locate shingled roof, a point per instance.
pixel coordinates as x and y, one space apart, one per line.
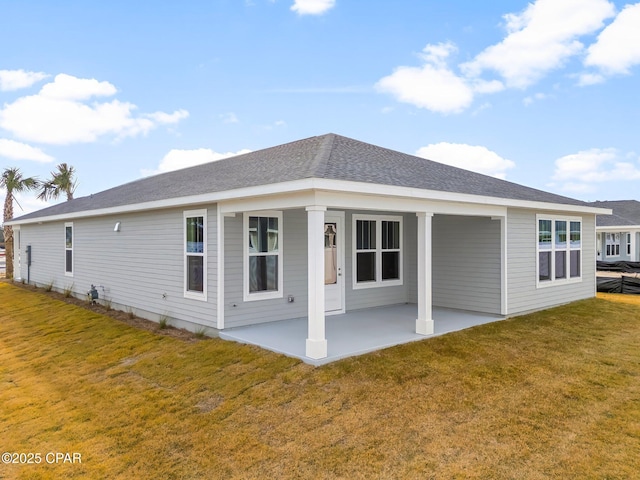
328 156
625 213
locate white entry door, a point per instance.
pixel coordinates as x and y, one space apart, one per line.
334 262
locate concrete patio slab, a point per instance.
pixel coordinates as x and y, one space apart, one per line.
355 332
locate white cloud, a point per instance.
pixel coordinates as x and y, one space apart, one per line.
532 98
618 46
229 117
579 171
590 79
312 7
177 159
67 87
167 118
540 39
483 86
433 86
60 114
22 151
470 157
17 79
274 125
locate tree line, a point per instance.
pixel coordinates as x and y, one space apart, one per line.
62 181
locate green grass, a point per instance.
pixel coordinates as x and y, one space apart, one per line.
68 291
554 394
163 322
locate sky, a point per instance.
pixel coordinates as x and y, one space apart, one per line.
542 93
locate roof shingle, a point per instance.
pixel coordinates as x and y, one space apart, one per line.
625 213
328 156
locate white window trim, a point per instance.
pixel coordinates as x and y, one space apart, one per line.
558 281
190 293
251 297
73 244
378 250
613 244
628 244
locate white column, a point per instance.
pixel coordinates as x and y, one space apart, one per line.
316 342
424 322
504 289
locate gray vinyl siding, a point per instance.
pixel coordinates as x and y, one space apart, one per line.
523 294
378 296
141 267
294 247
466 263
237 312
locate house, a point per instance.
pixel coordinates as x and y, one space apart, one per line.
313 228
618 235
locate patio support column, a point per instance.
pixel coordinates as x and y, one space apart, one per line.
424 322
316 346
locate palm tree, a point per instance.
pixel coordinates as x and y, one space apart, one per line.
13 181
61 181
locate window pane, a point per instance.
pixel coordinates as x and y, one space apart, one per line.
195 270
390 265
545 266
330 254
253 234
69 237
263 273
272 234
561 264
544 234
195 234
366 267
263 234
575 235
365 234
69 261
390 235
561 234
575 263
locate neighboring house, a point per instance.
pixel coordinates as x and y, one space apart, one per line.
618 235
312 228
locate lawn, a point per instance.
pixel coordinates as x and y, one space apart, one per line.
554 394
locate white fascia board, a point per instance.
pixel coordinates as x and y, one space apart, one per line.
357 201
377 189
618 228
318 184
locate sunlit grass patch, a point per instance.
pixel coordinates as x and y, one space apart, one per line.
554 394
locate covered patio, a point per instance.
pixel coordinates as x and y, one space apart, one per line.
355 332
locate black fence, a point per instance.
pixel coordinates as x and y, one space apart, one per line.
619 285
625 267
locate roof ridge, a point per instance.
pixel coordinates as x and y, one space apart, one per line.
318 166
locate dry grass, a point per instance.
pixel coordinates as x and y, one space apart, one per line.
550 395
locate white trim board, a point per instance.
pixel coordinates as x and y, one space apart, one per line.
317 185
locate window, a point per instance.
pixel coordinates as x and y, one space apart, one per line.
68 249
628 244
377 243
559 250
195 254
263 276
612 244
